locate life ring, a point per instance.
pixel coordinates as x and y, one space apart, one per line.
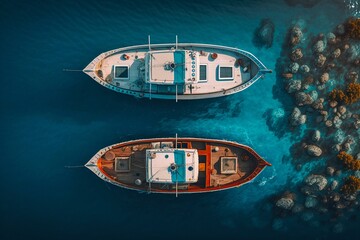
214 55
126 57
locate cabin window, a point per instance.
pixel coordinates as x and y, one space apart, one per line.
203 72
121 72
225 73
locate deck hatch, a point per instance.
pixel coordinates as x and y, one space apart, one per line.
226 73
228 165
122 164
121 72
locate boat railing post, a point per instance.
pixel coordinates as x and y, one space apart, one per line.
149 42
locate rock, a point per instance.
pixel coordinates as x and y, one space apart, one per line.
353 52
285 203
341 110
319 46
340 29
316 136
294 67
333 104
302 99
336 53
328 123
318 182
293 86
337 122
357 173
350 197
319 119
265 33
314 95
304 68
338 173
295 35
297 208
336 148
296 118
287 75
352 77
331 38
320 60
296 54
277 224
334 185
339 136
313 150
324 78
338 228
347 147
318 104
330 171
307 216
310 202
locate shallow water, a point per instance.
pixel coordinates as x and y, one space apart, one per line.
51 118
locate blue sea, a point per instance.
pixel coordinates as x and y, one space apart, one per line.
51 119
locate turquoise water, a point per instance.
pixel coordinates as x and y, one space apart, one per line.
51 119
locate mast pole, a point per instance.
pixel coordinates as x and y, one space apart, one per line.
176 93
176 42
149 42
176 140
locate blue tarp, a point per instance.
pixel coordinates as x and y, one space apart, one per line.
179 156
179 71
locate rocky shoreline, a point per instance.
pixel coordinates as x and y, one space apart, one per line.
320 74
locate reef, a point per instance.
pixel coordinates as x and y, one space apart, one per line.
319 72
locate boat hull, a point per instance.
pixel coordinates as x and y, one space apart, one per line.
100 166
147 92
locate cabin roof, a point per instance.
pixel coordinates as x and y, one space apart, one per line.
167 67
160 162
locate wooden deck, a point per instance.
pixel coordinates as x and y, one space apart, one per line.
249 164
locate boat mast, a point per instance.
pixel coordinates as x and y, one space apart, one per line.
176 42
149 42
176 140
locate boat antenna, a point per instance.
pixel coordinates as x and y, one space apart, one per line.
176 42
149 42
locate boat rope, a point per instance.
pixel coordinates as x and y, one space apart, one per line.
79 166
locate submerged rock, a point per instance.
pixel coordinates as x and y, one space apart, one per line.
331 38
294 67
285 203
287 75
293 86
330 171
303 98
333 104
265 33
338 228
334 185
304 68
352 77
296 118
318 104
316 136
295 35
319 46
320 60
324 78
336 53
296 54
318 182
310 202
297 208
313 150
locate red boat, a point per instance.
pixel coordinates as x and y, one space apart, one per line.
177 165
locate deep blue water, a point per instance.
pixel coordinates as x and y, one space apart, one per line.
51 118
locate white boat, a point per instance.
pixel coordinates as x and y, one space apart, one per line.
180 71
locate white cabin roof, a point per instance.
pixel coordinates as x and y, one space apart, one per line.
160 161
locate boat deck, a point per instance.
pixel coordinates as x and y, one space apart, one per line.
210 155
